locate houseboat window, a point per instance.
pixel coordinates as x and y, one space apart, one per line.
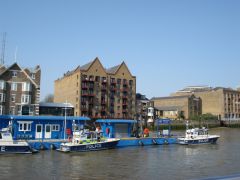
24 126
55 127
48 128
39 128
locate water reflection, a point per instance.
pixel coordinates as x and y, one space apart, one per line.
148 162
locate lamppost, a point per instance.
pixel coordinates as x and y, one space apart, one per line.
238 109
65 120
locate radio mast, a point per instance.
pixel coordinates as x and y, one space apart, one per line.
3 48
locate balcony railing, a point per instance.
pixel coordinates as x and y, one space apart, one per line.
125 89
85 79
103 102
113 89
103 110
91 79
91 87
103 88
84 87
104 81
84 109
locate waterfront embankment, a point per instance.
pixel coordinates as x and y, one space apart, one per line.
181 124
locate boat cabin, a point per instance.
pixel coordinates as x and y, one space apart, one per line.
165 131
41 127
117 128
195 132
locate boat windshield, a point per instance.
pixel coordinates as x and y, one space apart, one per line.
202 132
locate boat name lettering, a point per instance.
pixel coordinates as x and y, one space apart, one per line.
6 134
203 140
2 148
93 146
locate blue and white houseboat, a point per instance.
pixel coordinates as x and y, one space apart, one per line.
42 132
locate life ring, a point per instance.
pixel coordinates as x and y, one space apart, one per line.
42 147
140 143
165 141
52 147
154 141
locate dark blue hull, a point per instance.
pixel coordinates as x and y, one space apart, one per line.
7 149
89 147
199 141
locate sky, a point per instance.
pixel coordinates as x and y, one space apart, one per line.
167 45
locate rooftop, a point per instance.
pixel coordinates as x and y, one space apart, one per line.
60 105
171 97
169 108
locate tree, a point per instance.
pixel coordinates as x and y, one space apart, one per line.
207 116
181 115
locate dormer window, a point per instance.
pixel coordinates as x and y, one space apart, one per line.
14 73
33 76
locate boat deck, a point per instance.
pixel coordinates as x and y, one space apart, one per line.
46 144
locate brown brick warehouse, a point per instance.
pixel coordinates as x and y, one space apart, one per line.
97 92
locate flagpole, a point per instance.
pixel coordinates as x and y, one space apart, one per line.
65 120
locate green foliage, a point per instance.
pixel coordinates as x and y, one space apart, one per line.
207 116
181 115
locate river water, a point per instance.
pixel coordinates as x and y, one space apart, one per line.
148 162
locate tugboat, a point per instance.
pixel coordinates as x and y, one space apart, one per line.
84 140
197 136
9 146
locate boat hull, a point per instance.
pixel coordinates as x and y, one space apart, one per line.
11 149
88 147
189 141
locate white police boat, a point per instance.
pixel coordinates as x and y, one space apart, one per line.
197 136
85 140
10 146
